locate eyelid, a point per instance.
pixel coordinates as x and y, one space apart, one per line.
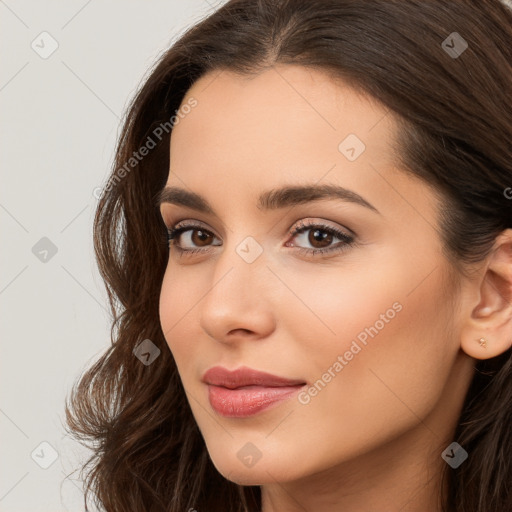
315 221
192 223
311 221
171 218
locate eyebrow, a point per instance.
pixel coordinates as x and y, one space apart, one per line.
268 200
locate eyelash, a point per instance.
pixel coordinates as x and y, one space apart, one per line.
347 240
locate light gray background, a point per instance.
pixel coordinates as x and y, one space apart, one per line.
59 123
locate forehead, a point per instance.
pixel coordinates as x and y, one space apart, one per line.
288 124
282 114
285 104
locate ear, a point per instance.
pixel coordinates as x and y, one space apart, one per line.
491 310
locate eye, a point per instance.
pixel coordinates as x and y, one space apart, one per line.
320 237
195 234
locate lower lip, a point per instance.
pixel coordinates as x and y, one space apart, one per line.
243 402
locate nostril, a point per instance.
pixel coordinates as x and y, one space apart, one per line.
240 331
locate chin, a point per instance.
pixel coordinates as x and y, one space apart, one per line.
261 473
247 478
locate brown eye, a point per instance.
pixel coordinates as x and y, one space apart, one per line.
200 237
191 235
320 237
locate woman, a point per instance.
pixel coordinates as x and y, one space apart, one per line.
307 244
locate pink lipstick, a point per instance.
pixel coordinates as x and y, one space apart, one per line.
244 391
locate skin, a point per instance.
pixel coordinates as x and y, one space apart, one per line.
372 438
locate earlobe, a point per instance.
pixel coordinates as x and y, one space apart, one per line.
484 347
488 329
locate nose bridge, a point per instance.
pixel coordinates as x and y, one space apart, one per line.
238 297
239 268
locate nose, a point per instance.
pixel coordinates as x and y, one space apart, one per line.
239 304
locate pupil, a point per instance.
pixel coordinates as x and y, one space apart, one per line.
203 237
319 237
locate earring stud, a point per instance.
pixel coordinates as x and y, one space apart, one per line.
483 342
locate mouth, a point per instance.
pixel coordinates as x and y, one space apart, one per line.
248 400
245 392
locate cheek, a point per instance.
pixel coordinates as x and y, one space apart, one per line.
341 306
384 351
177 300
377 309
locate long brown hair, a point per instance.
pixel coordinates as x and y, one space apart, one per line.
455 113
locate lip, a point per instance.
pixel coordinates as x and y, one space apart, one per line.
245 391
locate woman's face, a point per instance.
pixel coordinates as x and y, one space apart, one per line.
365 326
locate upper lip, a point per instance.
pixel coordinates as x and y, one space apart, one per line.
244 376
